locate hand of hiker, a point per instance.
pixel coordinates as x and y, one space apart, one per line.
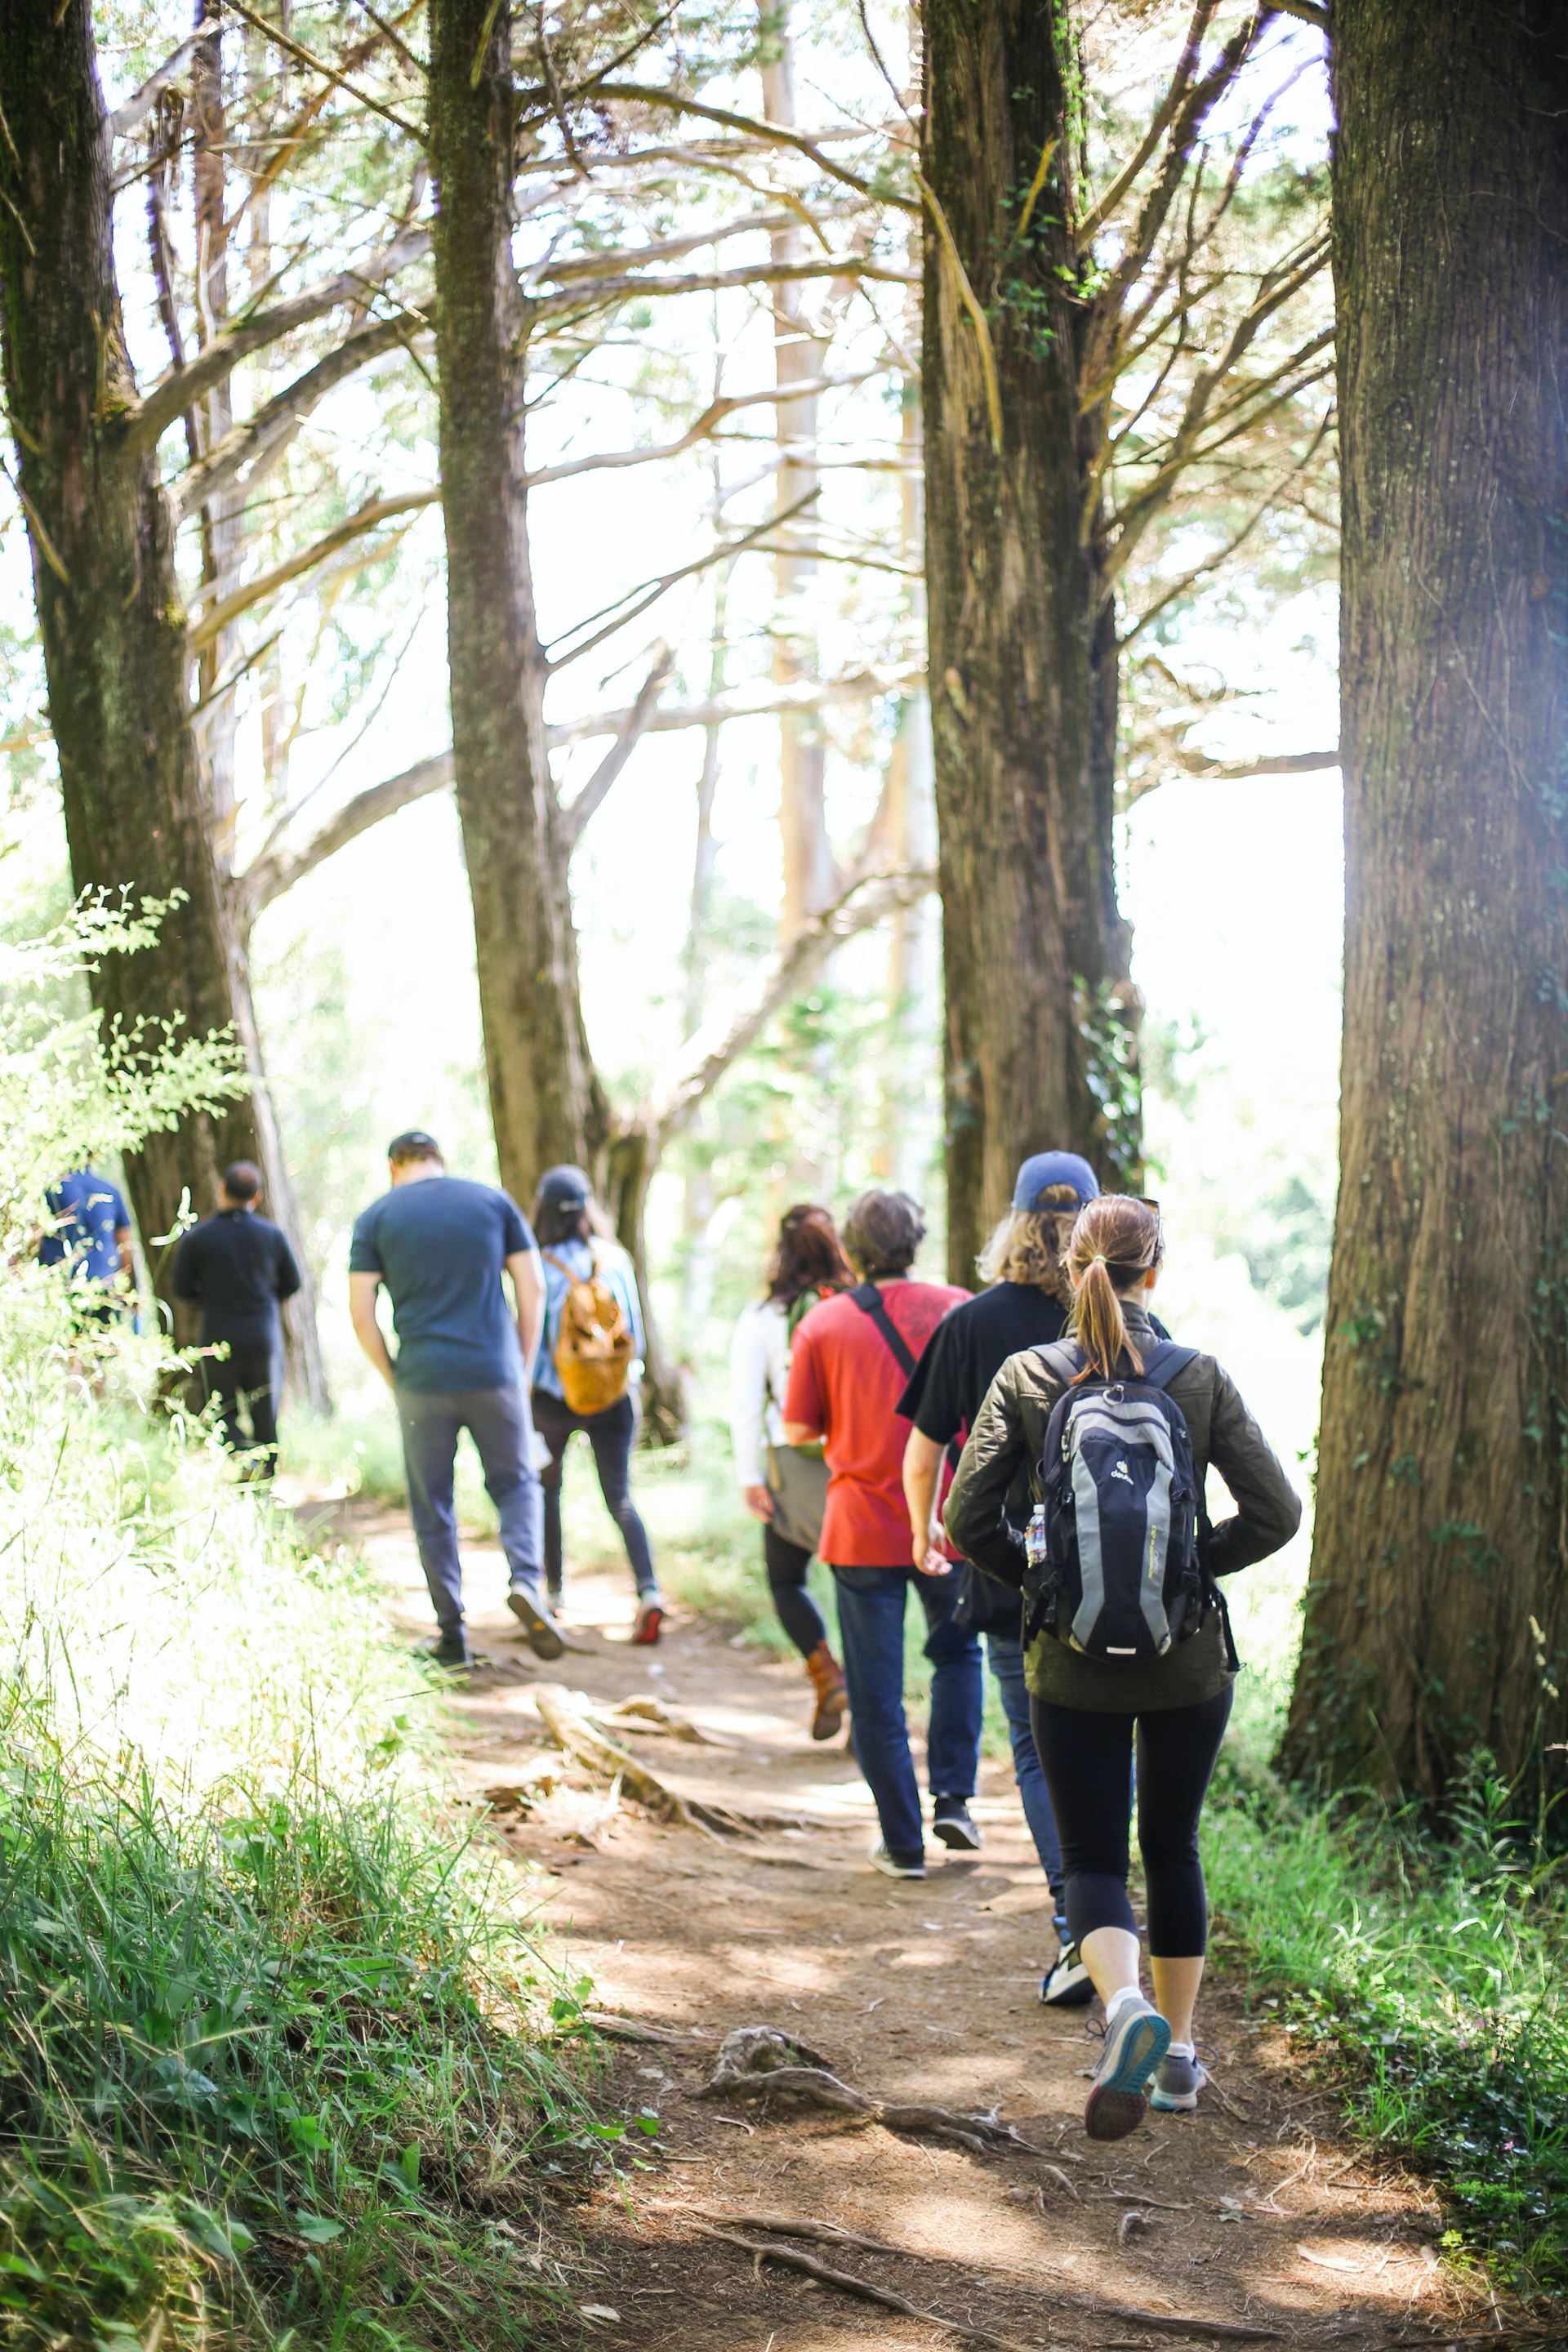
758 1501
930 1561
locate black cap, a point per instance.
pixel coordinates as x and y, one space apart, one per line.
413 1144
564 1188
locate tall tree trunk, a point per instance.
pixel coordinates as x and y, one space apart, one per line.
1039 1043
546 1101
109 605
1438 1608
544 1098
799 358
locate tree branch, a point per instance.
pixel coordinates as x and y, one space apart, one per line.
305 57
668 248
632 727
183 387
277 422
135 109
1094 220
279 870
859 686
637 600
772 134
771 396
228 609
596 295
719 1043
1309 12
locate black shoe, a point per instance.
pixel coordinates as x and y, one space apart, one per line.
543 1634
951 1822
451 1650
1067 1984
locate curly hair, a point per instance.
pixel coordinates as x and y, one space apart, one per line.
807 1256
1031 1245
882 1234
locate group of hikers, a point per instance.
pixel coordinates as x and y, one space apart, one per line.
1031 1459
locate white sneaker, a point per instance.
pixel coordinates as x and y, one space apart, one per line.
1119 2095
891 1867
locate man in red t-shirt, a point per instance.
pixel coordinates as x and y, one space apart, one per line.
851 1359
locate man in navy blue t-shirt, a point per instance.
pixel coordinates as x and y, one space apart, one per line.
89 1234
440 1244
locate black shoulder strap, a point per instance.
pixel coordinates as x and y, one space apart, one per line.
1161 1364
869 1299
1063 1359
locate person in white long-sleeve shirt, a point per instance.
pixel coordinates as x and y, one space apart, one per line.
782 1485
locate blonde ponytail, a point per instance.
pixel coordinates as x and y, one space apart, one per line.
1115 1242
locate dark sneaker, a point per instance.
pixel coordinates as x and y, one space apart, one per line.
1119 2095
951 1823
651 1620
451 1650
1177 2082
892 1866
1066 1983
543 1634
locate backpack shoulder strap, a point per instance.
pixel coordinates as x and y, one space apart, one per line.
1162 1364
870 1300
574 1281
1063 1359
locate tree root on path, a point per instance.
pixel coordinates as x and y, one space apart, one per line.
1228 2331
567 1716
762 2250
786 2225
632 2029
757 2062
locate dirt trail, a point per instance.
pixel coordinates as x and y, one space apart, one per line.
1255 2213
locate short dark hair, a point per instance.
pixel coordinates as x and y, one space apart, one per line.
413 1144
242 1180
882 1232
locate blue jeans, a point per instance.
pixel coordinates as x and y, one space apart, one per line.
871 1626
1007 1657
498 1421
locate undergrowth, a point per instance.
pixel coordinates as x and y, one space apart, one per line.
278 2066
1431 1976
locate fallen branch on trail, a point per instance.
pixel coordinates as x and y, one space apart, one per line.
1229 2331
567 1716
632 2029
758 2063
652 1718
786 2225
762 2250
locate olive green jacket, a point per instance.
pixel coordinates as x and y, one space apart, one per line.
1010 1433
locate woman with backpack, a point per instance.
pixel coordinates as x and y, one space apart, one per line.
786 1487
587 1370
1126 1630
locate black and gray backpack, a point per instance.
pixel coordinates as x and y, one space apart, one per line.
1114 1569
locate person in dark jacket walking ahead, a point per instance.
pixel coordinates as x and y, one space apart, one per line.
1087 1709
1027 1305
238 1268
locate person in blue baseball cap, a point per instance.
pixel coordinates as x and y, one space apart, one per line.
1025 1305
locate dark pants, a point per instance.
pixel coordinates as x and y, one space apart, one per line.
1087 1756
249 1377
1007 1657
612 1435
787 1565
497 1420
871 1627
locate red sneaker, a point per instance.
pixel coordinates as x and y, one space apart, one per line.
649 1624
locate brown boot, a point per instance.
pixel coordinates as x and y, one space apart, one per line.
832 1699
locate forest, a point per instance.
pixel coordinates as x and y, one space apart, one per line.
840 727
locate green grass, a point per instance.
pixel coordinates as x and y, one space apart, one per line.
1430 1979
278 2067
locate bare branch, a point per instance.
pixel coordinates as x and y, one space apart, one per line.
183 387
1277 763
703 1062
305 57
279 870
1094 220
632 727
579 300
808 694
228 609
1238 538
771 396
135 109
637 600
262 436
668 248
772 134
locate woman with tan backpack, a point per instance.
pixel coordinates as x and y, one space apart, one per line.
587 1373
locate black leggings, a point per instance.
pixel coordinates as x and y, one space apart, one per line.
612 1435
1085 1757
799 1615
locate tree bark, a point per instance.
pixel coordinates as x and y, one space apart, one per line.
109 608
1040 1039
545 1101
1436 1616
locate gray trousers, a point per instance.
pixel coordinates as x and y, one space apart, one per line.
498 1421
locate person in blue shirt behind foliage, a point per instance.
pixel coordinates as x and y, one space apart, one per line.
440 1245
576 1245
90 1235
